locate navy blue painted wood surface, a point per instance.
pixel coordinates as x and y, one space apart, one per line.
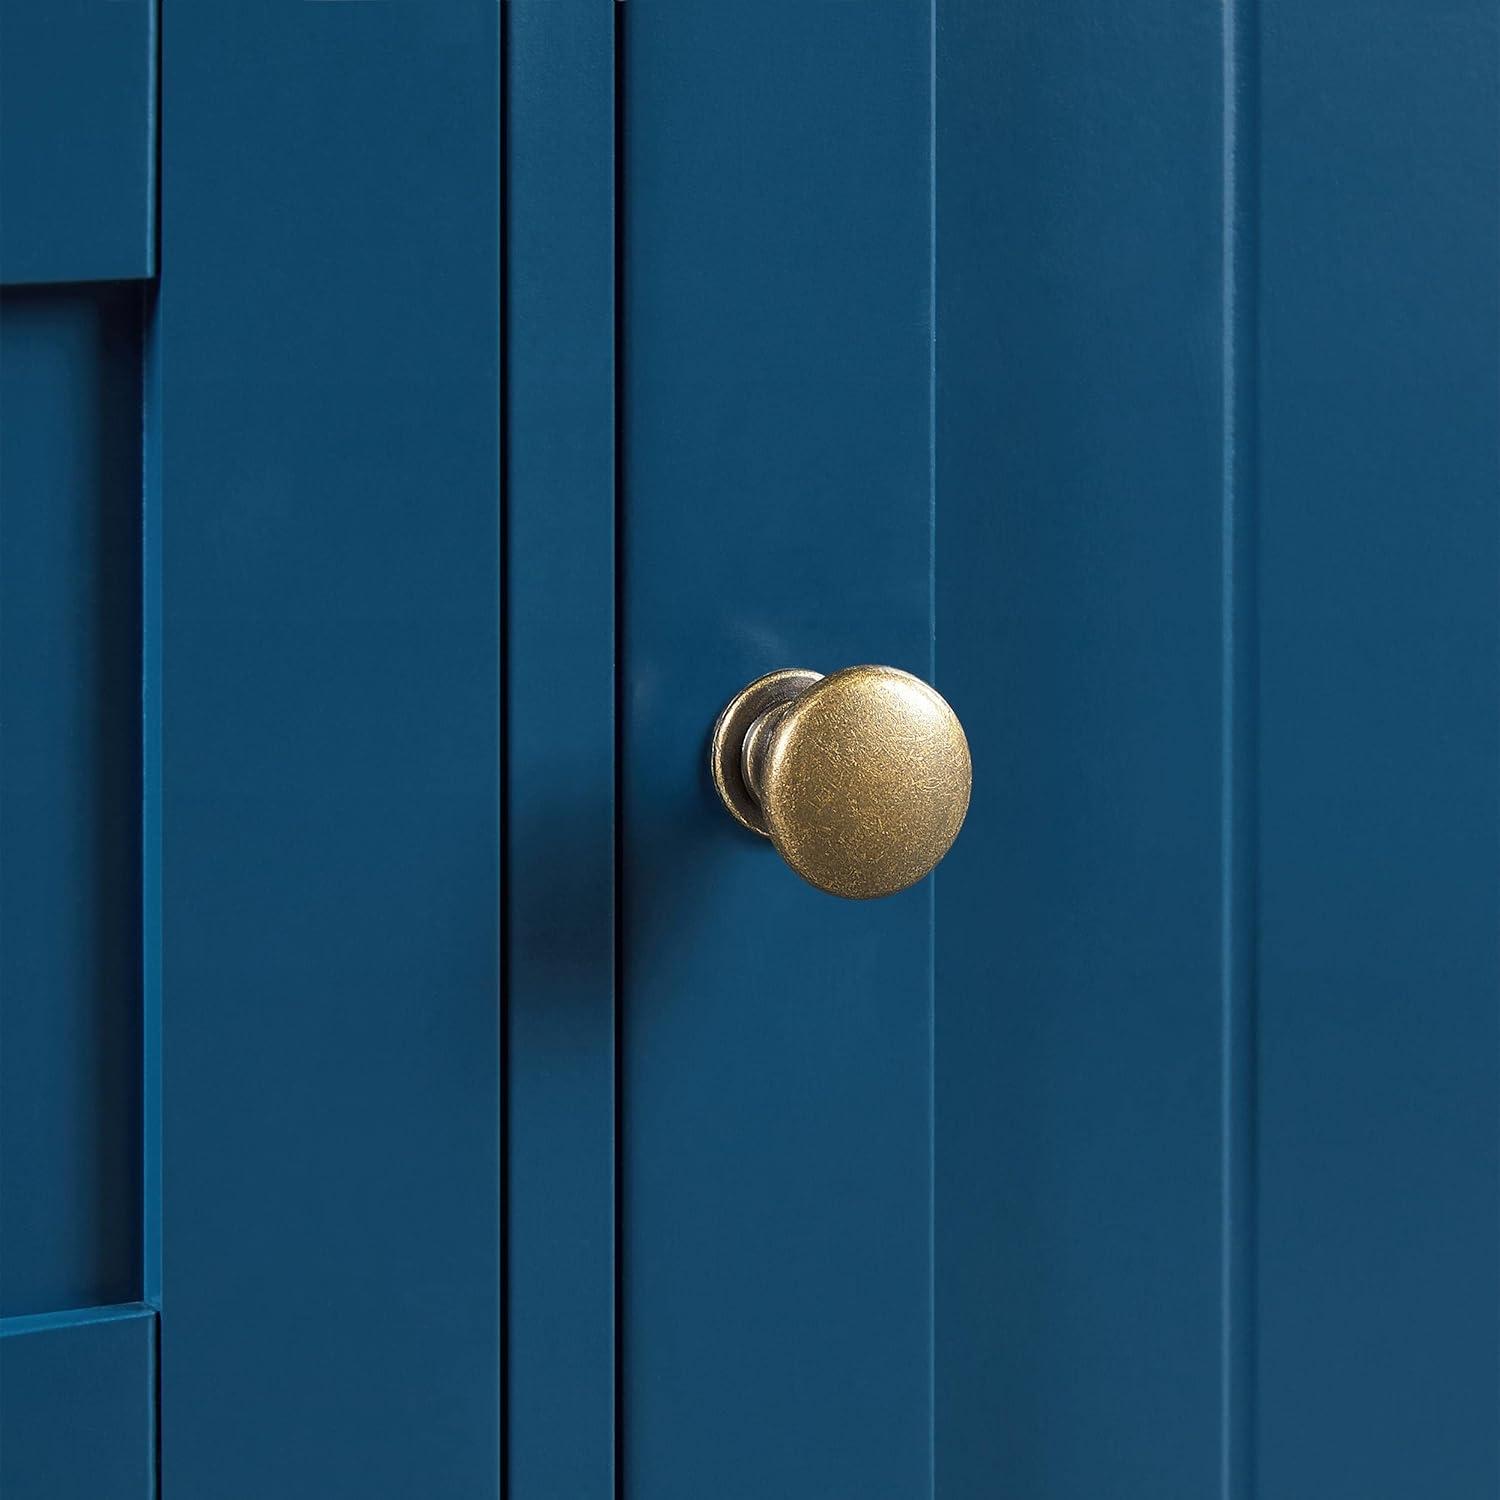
1217 536
1377 303
78 1405
560 750
78 123
70 993
1080 608
1214 1084
323 670
1133 374
776 368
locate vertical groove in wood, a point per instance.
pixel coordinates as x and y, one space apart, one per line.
932 884
502 1039
1239 790
617 935
150 853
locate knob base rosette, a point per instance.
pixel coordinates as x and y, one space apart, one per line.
726 755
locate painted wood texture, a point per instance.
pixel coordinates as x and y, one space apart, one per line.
775 1070
1208 1111
1079 584
560 747
1133 374
323 780
70 768
1377 379
1216 578
78 1405
78 119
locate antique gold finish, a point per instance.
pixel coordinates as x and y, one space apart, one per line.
860 779
732 729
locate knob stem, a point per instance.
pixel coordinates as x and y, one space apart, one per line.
728 760
758 741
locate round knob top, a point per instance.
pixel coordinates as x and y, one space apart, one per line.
861 778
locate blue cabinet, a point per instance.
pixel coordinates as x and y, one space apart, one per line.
415 1084
251 569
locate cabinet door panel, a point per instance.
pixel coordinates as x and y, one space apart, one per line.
77 1348
1135 378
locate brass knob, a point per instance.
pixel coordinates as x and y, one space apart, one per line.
860 779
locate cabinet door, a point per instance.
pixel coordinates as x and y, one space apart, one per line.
250 685
1132 376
